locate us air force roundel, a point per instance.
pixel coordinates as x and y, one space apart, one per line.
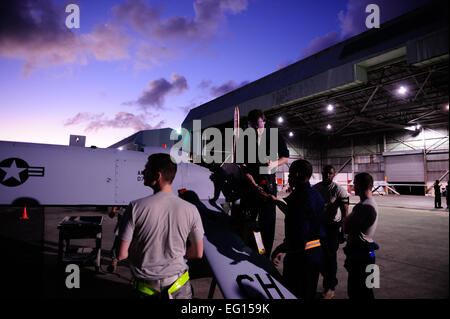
15 171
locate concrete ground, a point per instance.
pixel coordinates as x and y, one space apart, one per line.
413 258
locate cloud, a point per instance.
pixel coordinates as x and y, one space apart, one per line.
353 21
29 30
35 31
154 54
226 87
187 108
160 38
136 12
321 43
158 89
218 90
95 122
209 14
204 84
107 42
82 117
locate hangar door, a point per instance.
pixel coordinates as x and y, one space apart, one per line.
404 168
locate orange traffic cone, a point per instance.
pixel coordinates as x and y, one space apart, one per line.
24 214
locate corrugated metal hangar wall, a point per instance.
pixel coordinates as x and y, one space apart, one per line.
397 157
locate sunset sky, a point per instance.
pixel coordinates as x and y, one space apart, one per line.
135 65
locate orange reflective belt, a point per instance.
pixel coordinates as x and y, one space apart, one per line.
312 244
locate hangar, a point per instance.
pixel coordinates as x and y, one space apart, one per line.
377 102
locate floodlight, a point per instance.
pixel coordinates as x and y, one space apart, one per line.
402 90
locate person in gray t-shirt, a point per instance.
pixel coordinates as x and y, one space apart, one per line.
360 225
154 231
336 209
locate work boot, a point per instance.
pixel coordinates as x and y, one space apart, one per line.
329 294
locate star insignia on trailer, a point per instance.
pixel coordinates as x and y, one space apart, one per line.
15 171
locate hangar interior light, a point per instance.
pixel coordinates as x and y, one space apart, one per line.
413 128
280 120
402 90
330 107
291 134
329 127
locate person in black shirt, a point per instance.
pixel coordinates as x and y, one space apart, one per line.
303 210
262 175
437 195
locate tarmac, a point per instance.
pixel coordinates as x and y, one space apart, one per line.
413 258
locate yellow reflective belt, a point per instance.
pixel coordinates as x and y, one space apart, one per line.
149 290
312 244
143 287
179 283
